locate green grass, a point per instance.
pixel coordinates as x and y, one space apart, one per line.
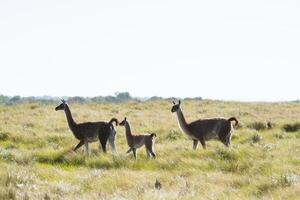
36 161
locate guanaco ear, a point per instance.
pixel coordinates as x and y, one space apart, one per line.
179 102
174 102
125 119
63 101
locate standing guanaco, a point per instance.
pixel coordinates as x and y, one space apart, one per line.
90 131
136 141
205 129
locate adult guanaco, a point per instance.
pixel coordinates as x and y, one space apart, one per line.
89 131
136 141
205 129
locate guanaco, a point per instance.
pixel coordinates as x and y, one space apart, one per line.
136 141
90 131
205 129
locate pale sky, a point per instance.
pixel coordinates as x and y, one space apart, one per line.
228 50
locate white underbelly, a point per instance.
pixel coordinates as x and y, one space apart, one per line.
92 139
211 135
138 145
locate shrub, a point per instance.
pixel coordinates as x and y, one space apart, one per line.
278 135
286 180
3 136
6 155
256 138
11 194
291 127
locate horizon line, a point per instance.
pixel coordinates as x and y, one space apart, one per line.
145 98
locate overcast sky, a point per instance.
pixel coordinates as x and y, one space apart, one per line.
230 50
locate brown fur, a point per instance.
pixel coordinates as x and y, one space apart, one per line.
90 131
136 141
205 129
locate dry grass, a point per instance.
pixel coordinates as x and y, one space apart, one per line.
36 161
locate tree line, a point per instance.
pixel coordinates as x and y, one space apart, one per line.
119 97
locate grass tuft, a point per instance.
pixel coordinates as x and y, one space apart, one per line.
286 180
258 126
282 181
256 138
51 157
3 136
6 155
173 135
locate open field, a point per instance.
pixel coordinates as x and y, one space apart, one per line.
36 161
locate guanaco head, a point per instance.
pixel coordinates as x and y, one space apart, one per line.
176 107
123 122
61 106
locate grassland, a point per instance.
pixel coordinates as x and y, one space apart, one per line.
36 161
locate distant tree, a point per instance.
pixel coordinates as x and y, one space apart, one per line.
155 98
14 100
172 99
110 99
3 99
195 98
77 99
98 99
119 97
28 99
123 96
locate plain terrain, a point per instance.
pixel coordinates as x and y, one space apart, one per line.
36 161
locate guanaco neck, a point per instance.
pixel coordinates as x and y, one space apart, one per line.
128 131
70 119
182 122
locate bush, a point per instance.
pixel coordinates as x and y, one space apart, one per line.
287 180
3 136
6 155
291 127
256 138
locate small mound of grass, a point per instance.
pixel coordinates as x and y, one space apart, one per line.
227 155
99 162
64 158
56 157
235 167
3 136
278 135
284 180
6 155
256 138
231 160
173 135
34 106
291 127
259 126
75 159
